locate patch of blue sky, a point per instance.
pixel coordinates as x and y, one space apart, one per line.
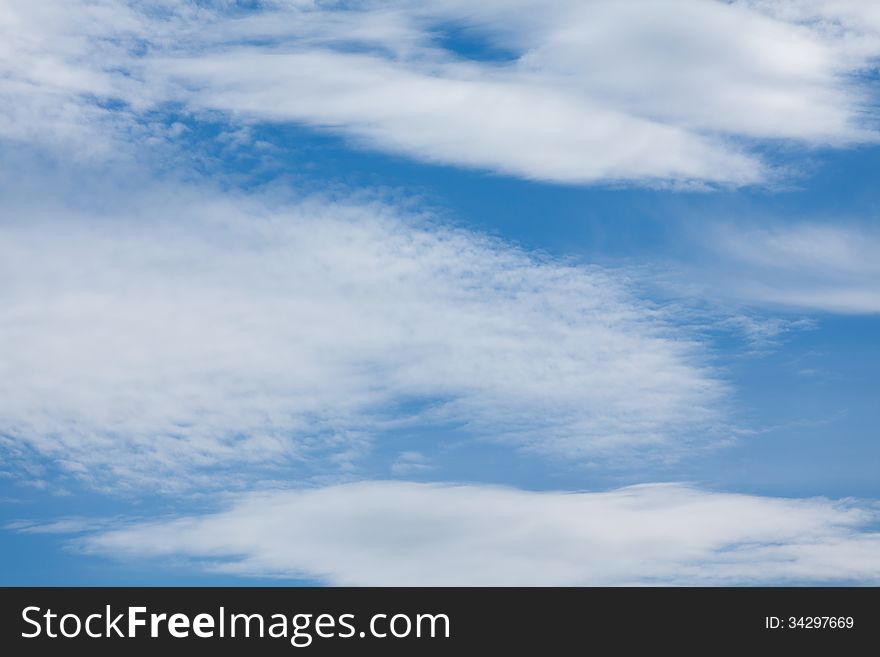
470 42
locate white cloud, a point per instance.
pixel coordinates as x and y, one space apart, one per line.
594 90
398 533
460 115
675 91
57 61
855 23
179 336
701 64
409 463
812 266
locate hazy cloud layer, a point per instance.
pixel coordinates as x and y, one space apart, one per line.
384 533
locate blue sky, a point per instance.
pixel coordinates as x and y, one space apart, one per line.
407 293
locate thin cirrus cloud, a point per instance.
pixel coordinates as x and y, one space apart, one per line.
386 533
805 266
182 338
675 92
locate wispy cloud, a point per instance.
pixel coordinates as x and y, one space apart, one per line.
808 266
386 533
675 92
74 525
175 332
409 463
457 114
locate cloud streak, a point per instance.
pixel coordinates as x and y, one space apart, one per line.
398 533
812 266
